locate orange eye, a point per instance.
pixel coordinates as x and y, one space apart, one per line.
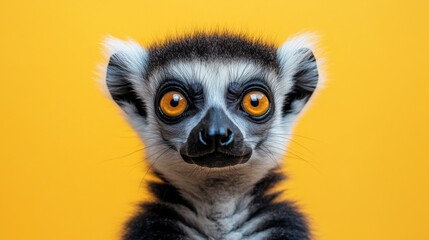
173 104
255 103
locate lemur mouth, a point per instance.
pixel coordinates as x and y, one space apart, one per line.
217 159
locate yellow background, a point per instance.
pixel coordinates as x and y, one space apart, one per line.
362 170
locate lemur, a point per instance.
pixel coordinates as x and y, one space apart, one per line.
215 113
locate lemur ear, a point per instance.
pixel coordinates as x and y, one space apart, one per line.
125 71
298 68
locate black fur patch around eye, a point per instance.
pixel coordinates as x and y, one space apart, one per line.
120 87
193 93
234 92
208 46
196 91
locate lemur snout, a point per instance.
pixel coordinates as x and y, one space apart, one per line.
216 142
215 130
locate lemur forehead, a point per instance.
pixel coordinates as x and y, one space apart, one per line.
214 46
214 73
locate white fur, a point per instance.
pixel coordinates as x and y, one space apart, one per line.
131 55
134 54
289 56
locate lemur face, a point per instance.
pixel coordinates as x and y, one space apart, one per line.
214 113
212 101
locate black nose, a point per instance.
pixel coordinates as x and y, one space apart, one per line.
215 133
218 136
215 142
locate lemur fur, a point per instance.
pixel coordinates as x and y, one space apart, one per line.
216 160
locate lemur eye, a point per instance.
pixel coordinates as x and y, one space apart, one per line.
173 104
255 103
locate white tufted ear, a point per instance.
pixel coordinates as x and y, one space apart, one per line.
298 68
125 71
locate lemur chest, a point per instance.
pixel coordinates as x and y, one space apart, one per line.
230 220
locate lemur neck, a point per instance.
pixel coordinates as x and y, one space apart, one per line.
216 194
217 206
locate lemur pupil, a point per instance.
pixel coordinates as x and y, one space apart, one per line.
254 101
174 101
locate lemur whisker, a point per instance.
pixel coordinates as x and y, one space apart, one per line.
281 147
146 147
296 135
152 162
288 153
270 156
123 156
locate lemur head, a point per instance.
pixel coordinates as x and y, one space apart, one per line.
212 101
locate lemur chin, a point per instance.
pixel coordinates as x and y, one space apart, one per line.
214 111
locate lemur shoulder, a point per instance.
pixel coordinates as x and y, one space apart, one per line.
214 111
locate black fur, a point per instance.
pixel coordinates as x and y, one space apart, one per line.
208 46
158 221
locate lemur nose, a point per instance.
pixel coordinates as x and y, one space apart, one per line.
216 136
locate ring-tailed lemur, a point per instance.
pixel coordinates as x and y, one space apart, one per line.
214 111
